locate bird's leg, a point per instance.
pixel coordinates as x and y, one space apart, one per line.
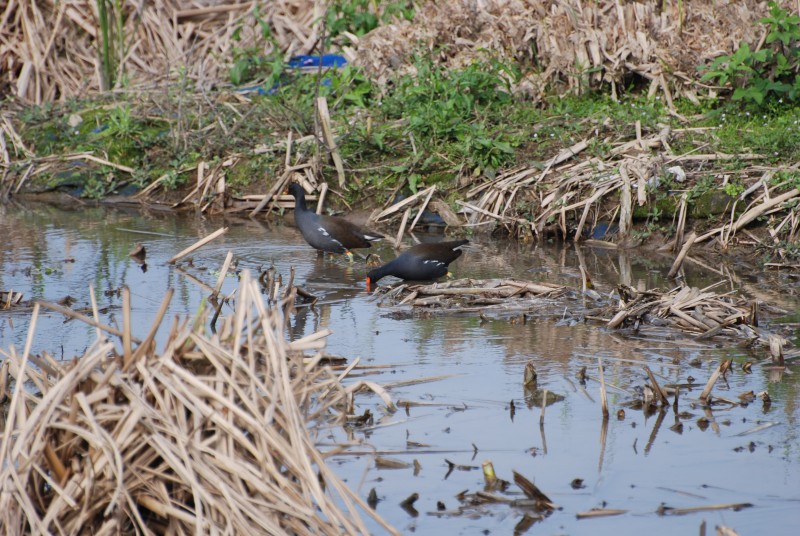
349 255
449 275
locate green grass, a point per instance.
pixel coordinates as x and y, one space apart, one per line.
429 129
773 131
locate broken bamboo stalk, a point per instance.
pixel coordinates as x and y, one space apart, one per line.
330 141
405 202
422 207
197 245
710 384
690 240
222 274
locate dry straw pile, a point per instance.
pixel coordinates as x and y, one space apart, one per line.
208 437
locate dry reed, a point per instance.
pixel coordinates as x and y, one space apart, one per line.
51 49
577 45
211 435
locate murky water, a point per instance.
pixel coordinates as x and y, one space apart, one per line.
638 463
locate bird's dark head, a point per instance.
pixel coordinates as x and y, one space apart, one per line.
373 276
296 190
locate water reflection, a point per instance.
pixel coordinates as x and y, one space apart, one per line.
52 253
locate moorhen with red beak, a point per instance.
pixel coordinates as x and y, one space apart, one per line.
328 233
422 262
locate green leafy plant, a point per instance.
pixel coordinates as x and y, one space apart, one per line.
786 180
122 124
783 26
756 75
94 188
733 189
360 17
250 62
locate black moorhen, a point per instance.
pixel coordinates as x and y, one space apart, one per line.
421 262
328 233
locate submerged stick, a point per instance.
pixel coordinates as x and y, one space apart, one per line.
603 397
197 245
690 240
544 405
710 385
222 274
662 395
83 318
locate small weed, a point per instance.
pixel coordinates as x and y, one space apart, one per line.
121 124
173 179
703 185
733 189
786 179
94 188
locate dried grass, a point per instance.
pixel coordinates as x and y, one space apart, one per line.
48 49
576 44
209 436
570 196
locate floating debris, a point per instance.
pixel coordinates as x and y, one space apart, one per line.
382 462
530 374
9 299
664 509
600 512
470 295
408 504
691 310
139 252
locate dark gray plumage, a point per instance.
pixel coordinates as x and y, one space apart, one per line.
328 233
422 262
